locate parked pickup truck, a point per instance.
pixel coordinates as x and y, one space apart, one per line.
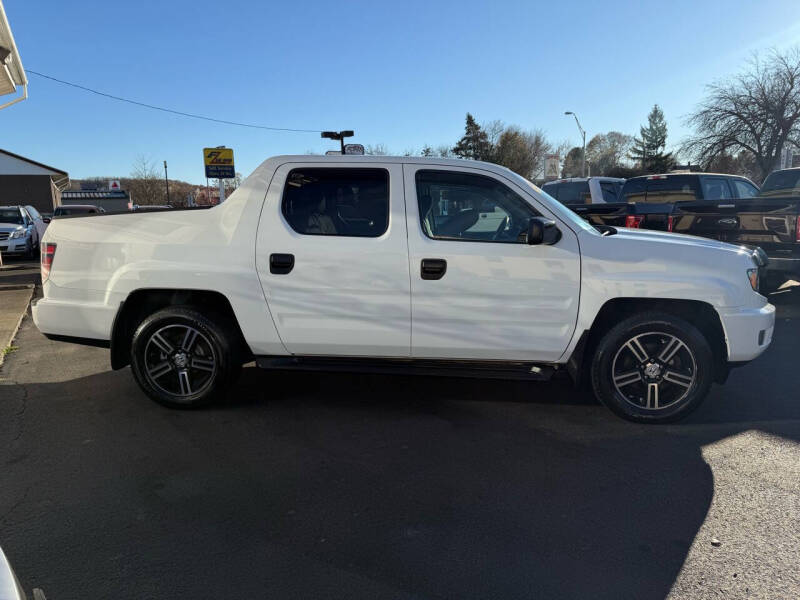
419 265
768 220
728 208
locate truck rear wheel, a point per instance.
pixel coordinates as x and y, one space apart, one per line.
183 358
652 368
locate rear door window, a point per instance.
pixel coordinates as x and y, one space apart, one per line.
338 202
716 188
744 189
672 188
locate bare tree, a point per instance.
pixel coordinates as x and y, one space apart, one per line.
494 129
757 111
146 185
522 151
444 151
607 151
376 150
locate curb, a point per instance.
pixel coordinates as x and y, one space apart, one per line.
21 317
16 286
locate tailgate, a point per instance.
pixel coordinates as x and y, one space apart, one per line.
767 222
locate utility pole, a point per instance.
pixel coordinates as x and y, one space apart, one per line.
583 134
166 180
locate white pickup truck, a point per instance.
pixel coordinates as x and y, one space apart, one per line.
420 265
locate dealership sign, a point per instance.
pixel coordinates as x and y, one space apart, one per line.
219 163
551 162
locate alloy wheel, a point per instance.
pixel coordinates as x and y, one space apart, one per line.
654 370
180 360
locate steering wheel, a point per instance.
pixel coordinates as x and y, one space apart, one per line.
500 229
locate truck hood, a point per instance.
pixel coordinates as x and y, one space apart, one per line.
664 237
10 227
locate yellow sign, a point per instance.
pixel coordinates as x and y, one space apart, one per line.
219 163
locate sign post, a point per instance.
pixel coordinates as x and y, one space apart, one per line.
219 165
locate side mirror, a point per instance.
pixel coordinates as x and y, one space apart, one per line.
46 219
542 231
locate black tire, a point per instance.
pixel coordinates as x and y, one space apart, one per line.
666 390
29 249
191 376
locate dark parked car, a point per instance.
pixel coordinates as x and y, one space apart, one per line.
71 210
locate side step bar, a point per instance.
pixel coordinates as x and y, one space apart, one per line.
410 366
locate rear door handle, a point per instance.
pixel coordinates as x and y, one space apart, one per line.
433 268
281 264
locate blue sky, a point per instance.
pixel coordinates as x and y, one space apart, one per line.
399 73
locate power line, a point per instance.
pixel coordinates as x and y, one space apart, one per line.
169 110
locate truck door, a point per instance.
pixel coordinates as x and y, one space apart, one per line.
332 256
478 290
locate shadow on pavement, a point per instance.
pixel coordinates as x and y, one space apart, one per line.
339 486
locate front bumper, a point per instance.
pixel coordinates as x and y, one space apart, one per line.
14 246
748 331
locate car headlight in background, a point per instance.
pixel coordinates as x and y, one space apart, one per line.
18 234
752 275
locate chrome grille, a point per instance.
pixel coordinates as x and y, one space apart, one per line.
4 235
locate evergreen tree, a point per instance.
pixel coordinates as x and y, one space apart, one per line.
648 148
474 143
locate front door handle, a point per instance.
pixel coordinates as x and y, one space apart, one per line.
433 268
281 264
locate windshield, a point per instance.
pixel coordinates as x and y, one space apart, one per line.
10 215
782 183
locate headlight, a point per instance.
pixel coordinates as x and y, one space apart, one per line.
18 234
752 275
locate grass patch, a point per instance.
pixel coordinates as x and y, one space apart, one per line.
9 349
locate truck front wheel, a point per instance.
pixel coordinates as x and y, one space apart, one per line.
183 358
652 368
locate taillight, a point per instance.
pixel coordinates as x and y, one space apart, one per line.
48 254
634 221
670 223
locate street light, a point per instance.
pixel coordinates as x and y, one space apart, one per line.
338 135
583 134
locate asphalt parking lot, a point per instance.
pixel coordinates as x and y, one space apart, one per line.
347 486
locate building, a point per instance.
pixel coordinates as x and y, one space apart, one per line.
12 73
28 182
108 200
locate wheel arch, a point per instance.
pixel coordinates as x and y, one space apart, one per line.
700 314
143 302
